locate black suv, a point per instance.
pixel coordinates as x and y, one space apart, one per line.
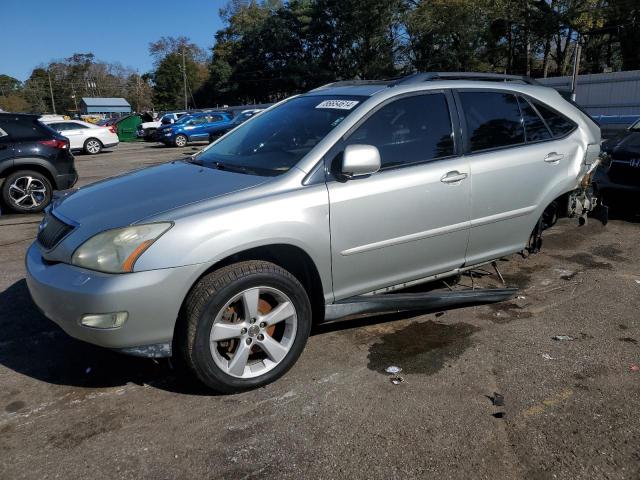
34 161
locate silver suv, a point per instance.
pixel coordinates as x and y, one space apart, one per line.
354 188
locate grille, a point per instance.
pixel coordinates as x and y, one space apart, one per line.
54 230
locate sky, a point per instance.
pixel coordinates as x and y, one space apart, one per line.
38 31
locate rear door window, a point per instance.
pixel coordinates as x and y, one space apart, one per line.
409 130
493 119
558 124
534 126
24 130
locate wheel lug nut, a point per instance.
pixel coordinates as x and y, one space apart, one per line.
261 337
249 341
243 331
253 320
263 324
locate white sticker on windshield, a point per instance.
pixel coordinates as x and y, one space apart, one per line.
338 104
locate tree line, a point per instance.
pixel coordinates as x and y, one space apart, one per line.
270 49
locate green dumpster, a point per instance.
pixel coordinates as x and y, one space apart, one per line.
127 126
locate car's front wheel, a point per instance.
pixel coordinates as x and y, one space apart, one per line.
26 191
180 140
246 325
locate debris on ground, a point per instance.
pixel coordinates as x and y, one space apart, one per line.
634 368
393 370
521 297
546 356
498 399
563 338
397 380
499 414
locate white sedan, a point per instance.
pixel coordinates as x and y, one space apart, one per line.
85 136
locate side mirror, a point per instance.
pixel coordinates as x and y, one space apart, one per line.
360 160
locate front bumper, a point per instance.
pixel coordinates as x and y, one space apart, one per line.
64 293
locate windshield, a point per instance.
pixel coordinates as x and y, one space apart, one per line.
277 139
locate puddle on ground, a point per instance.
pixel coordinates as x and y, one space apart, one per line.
422 347
523 276
610 252
586 260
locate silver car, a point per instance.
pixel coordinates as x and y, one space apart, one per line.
228 258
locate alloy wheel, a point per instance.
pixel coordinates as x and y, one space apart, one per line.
93 146
253 332
27 192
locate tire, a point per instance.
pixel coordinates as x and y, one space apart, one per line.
92 146
264 351
180 141
26 191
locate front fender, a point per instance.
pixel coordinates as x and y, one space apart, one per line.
299 218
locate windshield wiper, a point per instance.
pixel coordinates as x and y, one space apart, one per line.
234 168
194 160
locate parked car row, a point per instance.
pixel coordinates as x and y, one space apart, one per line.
177 129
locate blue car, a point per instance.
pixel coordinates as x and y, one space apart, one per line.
193 128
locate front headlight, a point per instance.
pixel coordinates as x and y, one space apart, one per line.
116 251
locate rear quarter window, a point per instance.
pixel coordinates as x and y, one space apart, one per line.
25 130
558 123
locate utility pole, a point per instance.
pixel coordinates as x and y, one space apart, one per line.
53 102
576 66
184 77
73 95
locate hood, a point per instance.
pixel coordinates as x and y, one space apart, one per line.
130 198
628 147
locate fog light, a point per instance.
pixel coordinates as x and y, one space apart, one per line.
105 320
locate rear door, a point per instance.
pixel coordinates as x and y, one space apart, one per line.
410 219
71 130
517 167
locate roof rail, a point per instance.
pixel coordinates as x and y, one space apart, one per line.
490 77
352 83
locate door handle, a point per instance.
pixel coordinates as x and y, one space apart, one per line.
553 157
453 177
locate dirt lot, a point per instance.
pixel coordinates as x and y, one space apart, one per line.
70 410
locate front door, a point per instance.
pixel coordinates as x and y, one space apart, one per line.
410 219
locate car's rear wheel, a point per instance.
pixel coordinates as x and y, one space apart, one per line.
92 146
26 191
180 140
246 325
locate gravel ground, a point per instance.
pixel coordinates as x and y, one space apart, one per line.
71 410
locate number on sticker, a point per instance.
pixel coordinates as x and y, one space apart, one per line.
338 104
